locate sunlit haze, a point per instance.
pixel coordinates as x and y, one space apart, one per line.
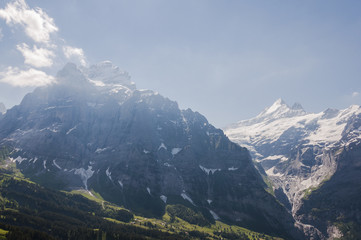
225 59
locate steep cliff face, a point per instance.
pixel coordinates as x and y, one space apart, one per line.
302 153
94 130
337 200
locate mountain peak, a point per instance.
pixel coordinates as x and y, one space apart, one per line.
279 103
103 77
69 69
107 73
71 75
280 109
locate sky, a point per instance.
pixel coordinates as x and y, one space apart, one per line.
227 59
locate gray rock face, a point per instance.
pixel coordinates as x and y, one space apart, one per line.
94 130
299 153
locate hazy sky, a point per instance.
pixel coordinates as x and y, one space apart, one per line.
227 59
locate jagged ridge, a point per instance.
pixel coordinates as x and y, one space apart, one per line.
137 149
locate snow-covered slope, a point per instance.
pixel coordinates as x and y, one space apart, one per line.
286 126
298 150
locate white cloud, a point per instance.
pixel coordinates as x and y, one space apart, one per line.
37 24
28 78
355 94
37 57
77 53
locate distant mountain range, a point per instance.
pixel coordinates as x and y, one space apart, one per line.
94 131
313 162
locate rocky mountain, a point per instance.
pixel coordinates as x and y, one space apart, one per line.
313 161
94 130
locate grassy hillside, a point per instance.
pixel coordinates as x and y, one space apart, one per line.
30 211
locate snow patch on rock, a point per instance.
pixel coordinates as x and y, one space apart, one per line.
120 183
109 174
163 198
100 150
232 169
186 197
70 130
84 174
162 146
19 159
270 172
209 170
214 215
55 164
175 151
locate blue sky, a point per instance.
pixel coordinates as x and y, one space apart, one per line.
227 59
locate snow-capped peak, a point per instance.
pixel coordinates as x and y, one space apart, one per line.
109 78
104 76
277 105
321 129
108 74
279 109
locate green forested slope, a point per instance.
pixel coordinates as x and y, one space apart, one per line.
29 211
